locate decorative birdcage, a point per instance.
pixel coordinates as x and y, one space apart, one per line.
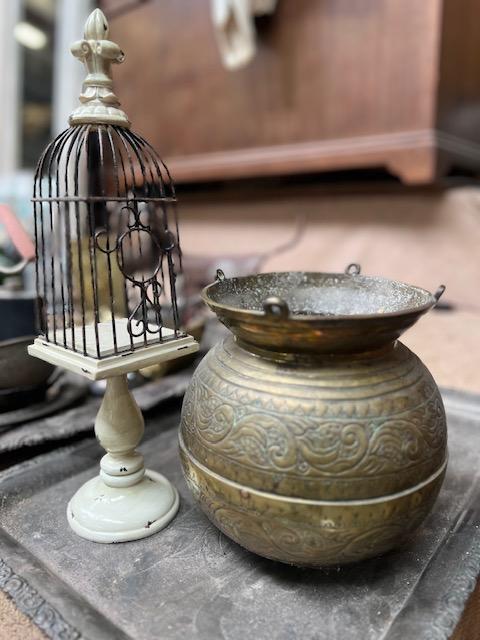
107 258
106 229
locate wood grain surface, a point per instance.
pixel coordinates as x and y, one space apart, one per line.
335 84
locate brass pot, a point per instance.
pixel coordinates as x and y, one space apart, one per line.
313 437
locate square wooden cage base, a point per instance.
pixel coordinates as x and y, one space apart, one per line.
111 364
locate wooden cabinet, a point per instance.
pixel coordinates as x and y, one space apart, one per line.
335 84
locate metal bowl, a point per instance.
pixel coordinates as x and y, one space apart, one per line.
18 369
305 312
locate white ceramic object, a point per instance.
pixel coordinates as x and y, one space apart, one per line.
233 22
125 502
99 104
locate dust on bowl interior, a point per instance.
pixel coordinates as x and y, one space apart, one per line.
322 294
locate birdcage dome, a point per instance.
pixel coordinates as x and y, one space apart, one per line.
103 161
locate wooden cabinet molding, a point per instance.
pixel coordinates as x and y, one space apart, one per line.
335 84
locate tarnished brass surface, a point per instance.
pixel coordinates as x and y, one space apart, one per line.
314 438
303 532
347 428
324 312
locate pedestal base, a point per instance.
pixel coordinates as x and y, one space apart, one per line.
107 514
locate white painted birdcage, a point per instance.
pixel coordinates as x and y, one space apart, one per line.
107 258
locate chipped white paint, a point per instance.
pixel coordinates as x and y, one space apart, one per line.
125 502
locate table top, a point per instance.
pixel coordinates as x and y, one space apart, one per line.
190 581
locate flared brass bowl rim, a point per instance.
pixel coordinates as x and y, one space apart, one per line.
428 299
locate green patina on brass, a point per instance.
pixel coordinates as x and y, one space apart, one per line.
312 436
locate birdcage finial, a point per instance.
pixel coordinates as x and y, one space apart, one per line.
99 104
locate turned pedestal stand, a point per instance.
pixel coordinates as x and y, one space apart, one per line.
125 501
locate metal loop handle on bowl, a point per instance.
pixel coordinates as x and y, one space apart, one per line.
439 292
276 307
220 276
353 269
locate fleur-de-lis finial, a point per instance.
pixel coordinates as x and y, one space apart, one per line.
99 104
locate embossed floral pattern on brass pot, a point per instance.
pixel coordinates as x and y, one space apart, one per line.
322 455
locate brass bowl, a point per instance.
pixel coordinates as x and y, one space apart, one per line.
302 312
320 455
